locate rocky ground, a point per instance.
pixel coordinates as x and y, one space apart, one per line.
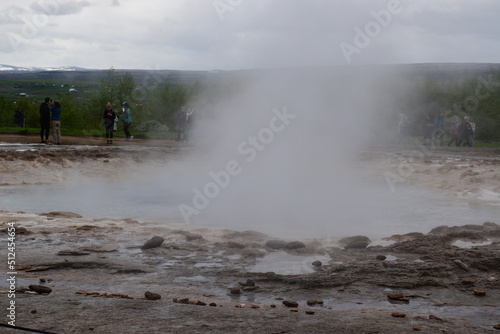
74 274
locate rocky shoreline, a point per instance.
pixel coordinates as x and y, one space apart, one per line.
78 275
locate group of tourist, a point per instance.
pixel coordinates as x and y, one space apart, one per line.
50 117
50 112
460 132
111 120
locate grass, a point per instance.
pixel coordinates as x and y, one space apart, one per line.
92 133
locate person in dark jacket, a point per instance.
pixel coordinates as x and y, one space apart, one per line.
56 110
45 120
19 117
182 118
109 122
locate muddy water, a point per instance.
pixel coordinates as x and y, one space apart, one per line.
378 212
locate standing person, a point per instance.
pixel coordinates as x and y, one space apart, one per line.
56 122
466 133
455 131
473 132
428 127
190 118
109 122
403 128
182 124
45 120
439 128
19 117
126 116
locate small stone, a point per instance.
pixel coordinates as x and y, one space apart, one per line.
310 312
250 288
154 242
381 257
40 289
294 310
497 326
398 315
200 303
295 245
395 296
212 304
254 306
249 282
433 317
417 328
151 295
479 292
317 263
290 303
43 280
235 291
33 311
272 306
468 281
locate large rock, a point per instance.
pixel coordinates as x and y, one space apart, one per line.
276 244
40 289
154 242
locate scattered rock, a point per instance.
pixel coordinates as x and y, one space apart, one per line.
468 281
317 263
249 282
105 248
417 328
479 292
33 311
72 253
276 244
254 306
290 303
200 303
237 245
212 304
497 326
398 315
154 242
61 214
312 302
250 288
381 257
294 310
395 296
462 265
40 289
354 239
433 317
235 291
310 312
295 245
189 236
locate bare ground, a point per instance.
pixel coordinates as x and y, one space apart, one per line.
444 281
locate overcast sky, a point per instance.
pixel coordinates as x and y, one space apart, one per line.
237 34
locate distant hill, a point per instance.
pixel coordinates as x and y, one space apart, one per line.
431 71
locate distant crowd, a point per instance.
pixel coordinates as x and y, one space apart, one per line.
459 132
50 119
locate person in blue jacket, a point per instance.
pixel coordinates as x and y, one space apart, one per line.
56 122
126 116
